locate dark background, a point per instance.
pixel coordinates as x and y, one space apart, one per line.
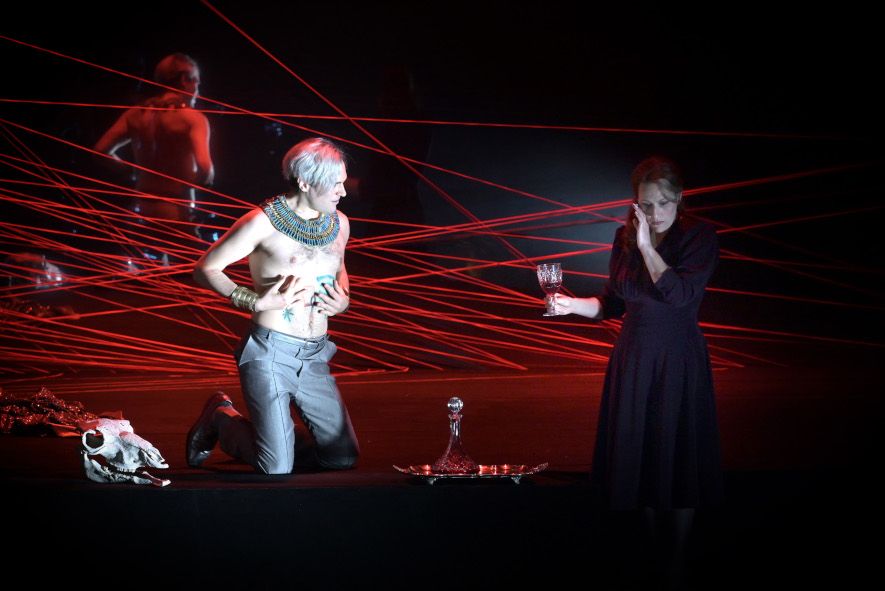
783 90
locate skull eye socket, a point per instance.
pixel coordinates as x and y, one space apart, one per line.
93 440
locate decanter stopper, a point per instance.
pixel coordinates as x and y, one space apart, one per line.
455 460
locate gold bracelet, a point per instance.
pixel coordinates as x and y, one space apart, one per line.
243 298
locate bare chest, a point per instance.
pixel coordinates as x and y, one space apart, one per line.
280 254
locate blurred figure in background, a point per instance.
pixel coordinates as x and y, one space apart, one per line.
169 137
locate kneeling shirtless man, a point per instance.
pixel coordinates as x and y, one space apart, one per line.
295 244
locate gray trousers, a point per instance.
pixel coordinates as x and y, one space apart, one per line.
275 370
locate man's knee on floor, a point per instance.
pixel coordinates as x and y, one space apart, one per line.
269 464
340 461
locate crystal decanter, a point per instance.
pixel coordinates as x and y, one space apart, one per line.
455 460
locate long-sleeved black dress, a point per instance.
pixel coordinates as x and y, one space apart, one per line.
657 443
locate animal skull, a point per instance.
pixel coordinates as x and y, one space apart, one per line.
112 452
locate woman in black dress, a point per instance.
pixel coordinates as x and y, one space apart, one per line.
657 445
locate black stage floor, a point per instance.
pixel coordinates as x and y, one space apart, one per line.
798 446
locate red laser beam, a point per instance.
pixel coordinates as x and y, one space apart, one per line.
439 314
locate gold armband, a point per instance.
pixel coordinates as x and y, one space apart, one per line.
243 298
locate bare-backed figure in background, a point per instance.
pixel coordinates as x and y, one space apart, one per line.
168 136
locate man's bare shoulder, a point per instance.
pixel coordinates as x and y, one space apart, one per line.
344 222
255 223
193 116
133 114
257 217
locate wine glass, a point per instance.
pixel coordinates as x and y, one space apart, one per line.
550 278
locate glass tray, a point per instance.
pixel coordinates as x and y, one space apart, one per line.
512 471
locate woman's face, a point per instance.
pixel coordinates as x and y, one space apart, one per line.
660 207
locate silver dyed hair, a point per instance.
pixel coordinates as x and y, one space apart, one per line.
315 161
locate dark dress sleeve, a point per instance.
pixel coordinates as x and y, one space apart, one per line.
685 281
612 304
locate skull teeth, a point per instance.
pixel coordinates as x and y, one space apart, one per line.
120 455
